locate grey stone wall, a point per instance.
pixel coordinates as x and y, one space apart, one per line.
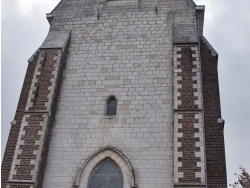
121 48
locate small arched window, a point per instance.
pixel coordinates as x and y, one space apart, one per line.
106 175
111 106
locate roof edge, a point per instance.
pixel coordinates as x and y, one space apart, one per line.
50 15
56 7
200 13
192 2
214 53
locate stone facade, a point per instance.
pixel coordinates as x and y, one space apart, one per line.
148 55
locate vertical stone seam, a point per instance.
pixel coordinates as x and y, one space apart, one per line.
203 112
33 88
18 150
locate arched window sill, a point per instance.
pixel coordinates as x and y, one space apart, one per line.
110 116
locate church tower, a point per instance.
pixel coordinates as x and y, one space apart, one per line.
121 94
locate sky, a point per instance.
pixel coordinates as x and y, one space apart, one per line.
227 28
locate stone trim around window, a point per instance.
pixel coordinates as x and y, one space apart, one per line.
82 176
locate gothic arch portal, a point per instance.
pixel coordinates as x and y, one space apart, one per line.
83 175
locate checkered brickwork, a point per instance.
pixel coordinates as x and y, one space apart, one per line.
188 122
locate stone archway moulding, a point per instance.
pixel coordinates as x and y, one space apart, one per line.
83 174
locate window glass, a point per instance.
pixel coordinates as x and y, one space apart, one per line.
106 175
111 107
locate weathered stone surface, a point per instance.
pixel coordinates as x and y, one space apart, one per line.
56 39
185 33
145 53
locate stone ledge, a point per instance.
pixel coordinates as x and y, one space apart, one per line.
56 39
189 185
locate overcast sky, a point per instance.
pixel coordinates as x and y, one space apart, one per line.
227 27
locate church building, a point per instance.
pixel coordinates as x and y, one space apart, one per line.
121 94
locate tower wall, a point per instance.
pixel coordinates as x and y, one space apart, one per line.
147 55
127 53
